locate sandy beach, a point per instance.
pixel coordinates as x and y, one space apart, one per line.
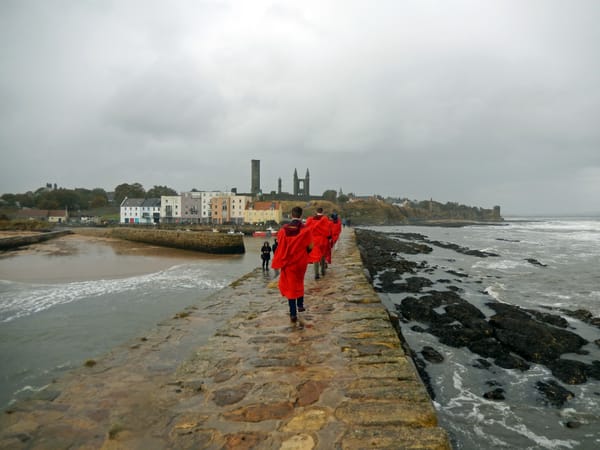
89 257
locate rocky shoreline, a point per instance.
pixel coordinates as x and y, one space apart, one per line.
511 337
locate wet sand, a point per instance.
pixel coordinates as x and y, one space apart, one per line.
78 257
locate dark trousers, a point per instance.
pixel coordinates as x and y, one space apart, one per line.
293 303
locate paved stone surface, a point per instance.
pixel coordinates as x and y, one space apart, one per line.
234 373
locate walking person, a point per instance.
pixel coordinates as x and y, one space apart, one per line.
273 248
265 254
293 249
320 227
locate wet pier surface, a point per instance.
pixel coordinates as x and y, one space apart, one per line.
234 373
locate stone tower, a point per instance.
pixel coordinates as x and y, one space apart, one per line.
255 180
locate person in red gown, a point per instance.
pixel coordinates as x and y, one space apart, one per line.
320 226
336 230
293 249
336 227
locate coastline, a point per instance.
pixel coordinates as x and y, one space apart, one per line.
527 288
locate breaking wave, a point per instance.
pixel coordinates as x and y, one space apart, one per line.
19 300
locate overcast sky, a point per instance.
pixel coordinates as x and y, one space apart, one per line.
479 102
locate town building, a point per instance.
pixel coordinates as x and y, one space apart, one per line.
191 207
46 215
144 211
206 211
170 208
263 212
150 211
229 208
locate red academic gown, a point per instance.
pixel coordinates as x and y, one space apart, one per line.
294 240
320 227
336 229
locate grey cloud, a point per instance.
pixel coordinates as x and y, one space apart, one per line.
168 100
477 102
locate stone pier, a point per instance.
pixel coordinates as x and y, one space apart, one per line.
9 243
232 372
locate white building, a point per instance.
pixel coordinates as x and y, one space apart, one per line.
170 208
140 211
131 210
150 211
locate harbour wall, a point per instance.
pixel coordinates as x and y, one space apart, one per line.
20 241
208 242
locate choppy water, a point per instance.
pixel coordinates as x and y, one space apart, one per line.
49 327
571 250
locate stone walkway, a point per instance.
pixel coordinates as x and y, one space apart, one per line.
234 373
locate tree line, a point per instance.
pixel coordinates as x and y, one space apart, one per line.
80 198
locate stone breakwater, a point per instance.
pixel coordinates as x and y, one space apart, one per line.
22 240
232 372
208 242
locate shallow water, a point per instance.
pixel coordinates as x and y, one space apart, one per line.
74 298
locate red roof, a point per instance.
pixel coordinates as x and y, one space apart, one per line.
263 206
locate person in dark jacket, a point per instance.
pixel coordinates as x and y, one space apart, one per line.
265 254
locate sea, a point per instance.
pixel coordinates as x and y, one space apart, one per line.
568 278
54 315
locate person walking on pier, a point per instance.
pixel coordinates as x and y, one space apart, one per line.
265 254
320 226
293 249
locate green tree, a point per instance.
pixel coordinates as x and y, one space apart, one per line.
330 195
10 199
58 199
343 198
158 191
135 190
98 201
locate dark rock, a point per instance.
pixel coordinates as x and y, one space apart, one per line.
389 281
585 316
554 393
454 289
529 338
492 383
510 361
422 371
432 355
458 274
573 424
481 363
416 284
459 249
569 371
593 370
535 262
418 329
495 394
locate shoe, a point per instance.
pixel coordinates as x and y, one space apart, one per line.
293 319
317 277
301 309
